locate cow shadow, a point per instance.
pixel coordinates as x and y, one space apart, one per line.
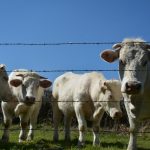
73 143
143 148
41 144
116 145
119 145
61 145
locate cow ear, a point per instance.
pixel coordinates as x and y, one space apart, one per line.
15 82
109 55
45 83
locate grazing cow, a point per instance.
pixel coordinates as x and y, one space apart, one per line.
5 92
134 71
27 89
87 96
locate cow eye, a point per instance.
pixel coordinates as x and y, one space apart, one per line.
121 62
5 78
110 97
144 63
23 86
2 68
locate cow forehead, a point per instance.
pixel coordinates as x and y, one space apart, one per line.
112 87
30 79
131 51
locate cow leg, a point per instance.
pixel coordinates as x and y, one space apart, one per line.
33 122
97 116
7 124
133 127
67 123
24 119
57 115
81 125
96 133
133 135
7 120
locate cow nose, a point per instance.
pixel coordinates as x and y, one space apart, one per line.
133 87
30 100
118 115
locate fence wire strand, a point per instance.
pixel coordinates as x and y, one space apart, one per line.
71 70
71 101
59 43
56 44
76 130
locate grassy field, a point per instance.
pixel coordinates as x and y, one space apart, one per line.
43 141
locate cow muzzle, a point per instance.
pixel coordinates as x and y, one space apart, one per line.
133 87
29 100
117 115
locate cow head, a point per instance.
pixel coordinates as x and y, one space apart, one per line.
134 58
29 86
111 98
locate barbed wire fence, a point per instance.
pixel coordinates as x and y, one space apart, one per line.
62 43
109 125
73 70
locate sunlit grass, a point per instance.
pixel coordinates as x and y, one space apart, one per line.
43 141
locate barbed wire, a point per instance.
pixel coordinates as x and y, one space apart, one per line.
68 101
56 44
63 70
76 130
71 101
60 43
72 70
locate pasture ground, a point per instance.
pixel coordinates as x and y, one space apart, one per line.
44 134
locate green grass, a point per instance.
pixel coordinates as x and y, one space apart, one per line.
43 141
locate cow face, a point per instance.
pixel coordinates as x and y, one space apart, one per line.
112 98
28 87
134 59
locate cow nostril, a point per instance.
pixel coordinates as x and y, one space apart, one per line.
30 99
133 86
138 86
127 85
118 114
27 98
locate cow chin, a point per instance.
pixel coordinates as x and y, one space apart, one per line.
133 93
29 103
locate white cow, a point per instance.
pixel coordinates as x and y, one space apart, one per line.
134 70
88 96
27 89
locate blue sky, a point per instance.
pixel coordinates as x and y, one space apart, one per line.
54 21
